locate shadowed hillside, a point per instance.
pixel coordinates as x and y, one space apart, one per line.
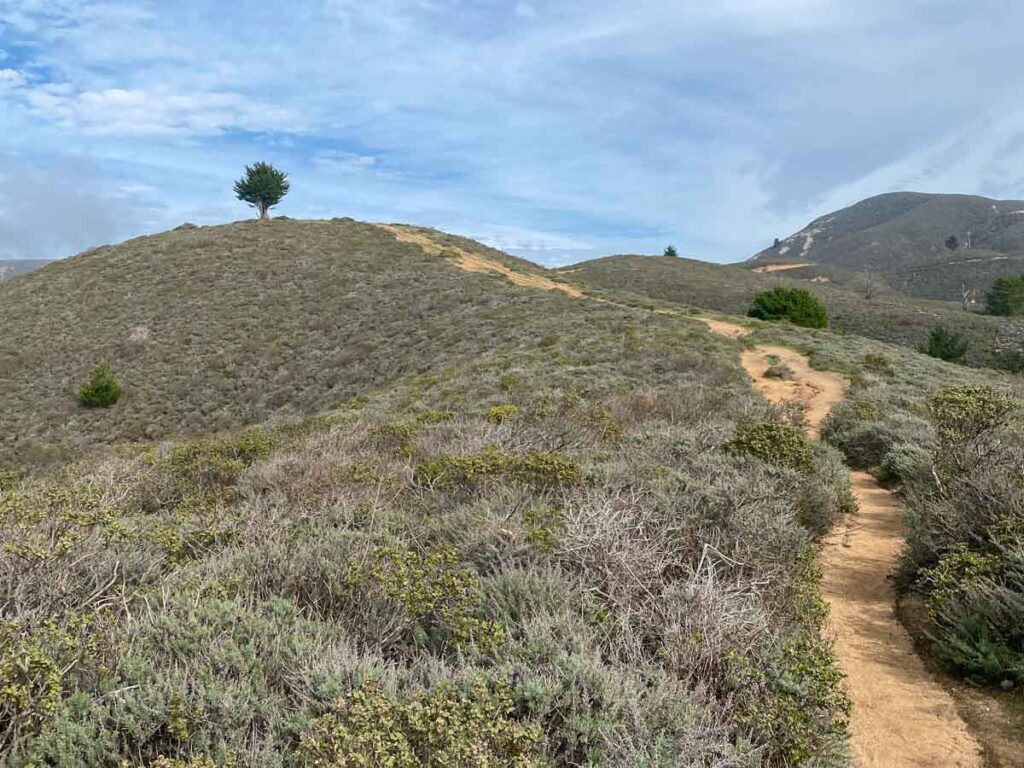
902 236
855 307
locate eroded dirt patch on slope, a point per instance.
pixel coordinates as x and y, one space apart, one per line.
475 262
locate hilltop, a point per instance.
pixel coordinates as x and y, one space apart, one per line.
902 237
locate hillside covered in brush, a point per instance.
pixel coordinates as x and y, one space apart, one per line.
857 306
376 495
522 528
925 245
216 327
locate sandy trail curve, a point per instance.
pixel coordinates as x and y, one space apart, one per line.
901 717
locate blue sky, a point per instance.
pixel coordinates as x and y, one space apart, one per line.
557 130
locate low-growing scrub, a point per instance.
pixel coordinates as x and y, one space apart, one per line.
615 573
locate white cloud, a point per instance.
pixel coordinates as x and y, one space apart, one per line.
340 160
713 125
117 111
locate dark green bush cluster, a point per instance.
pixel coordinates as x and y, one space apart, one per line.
780 445
796 305
435 728
946 344
1006 297
102 389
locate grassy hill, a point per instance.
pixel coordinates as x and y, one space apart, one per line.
434 485
901 237
854 305
14 267
220 326
530 516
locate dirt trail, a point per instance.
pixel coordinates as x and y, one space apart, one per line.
782 267
901 718
475 262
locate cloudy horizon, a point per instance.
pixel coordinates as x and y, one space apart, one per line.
559 131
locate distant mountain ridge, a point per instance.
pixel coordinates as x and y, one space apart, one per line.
927 245
14 267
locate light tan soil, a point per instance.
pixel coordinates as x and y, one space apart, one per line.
817 391
475 262
781 267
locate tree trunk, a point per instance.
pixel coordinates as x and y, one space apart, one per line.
264 212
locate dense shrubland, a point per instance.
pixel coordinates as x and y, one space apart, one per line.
599 552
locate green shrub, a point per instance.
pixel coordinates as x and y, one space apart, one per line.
102 389
796 305
878 363
434 416
780 445
1006 298
967 413
208 462
435 592
1011 360
946 344
501 413
903 462
955 573
440 728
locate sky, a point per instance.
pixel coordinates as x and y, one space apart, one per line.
559 131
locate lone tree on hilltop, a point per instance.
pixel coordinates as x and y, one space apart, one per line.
262 187
671 251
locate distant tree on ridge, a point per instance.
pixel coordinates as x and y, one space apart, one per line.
262 187
671 251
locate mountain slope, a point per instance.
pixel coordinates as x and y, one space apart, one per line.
220 326
902 237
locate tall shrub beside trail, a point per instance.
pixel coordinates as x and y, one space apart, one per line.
966 535
796 305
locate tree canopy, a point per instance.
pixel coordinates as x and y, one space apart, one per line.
1006 297
262 187
798 306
